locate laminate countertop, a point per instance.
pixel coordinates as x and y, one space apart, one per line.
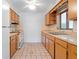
66 38
13 33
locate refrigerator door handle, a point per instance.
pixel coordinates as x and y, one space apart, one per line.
5 26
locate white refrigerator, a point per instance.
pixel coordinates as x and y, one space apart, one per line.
5 31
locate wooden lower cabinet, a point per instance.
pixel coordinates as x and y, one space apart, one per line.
51 48
59 49
50 45
60 52
43 39
13 45
72 51
47 44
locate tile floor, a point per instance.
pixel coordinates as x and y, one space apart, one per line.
32 51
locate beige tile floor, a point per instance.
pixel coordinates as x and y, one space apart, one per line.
32 51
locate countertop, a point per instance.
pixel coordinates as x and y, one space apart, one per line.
13 33
66 38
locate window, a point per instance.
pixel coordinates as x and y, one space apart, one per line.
64 22
71 24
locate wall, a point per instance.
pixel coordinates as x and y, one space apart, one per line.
75 26
5 31
32 23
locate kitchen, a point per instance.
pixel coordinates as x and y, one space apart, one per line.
39 29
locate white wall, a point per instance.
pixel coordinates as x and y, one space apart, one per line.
5 31
32 23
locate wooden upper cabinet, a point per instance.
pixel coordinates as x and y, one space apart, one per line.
72 51
47 19
57 6
72 9
14 17
51 18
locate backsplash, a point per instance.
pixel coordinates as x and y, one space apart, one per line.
13 28
75 26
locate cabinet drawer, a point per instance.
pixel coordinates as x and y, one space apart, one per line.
50 37
61 42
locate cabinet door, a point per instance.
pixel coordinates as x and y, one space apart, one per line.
43 39
60 52
47 20
51 19
13 16
72 51
13 46
10 14
47 44
72 9
17 18
51 48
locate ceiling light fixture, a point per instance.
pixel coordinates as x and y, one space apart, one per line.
32 7
32 4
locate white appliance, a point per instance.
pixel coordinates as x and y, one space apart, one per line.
21 40
5 31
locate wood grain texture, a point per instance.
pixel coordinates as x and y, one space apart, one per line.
60 52
13 45
51 19
72 51
14 17
72 9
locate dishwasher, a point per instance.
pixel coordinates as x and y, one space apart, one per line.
21 40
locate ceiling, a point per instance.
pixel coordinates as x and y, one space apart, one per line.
20 5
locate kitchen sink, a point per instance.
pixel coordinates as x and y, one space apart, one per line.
57 33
